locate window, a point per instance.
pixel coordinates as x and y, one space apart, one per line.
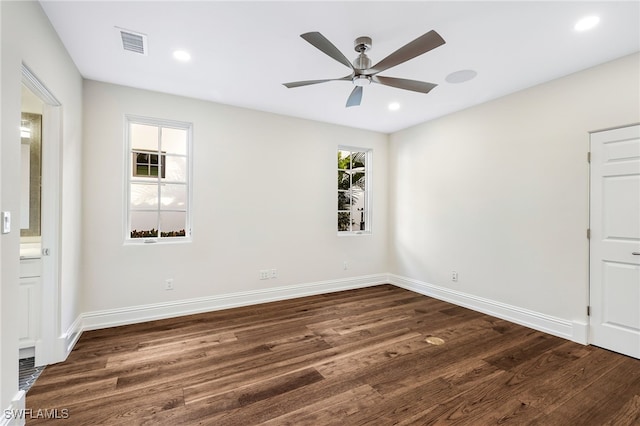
354 214
158 187
145 163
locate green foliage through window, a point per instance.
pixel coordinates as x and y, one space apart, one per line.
352 190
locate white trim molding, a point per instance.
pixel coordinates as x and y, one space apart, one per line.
68 340
136 314
535 320
574 331
15 414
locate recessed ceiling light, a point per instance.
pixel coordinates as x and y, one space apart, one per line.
394 106
181 55
461 76
587 23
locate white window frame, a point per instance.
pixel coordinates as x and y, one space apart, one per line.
129 177
368 191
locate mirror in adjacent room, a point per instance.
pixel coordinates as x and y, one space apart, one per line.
31 166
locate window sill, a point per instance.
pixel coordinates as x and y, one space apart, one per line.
155 241
353 233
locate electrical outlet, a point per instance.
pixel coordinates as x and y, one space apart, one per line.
454 276
345 265
264 274
273 273
168 284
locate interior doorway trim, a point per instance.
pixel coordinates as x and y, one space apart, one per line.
47 348
30 80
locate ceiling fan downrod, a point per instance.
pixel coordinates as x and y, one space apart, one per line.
362 62
361 45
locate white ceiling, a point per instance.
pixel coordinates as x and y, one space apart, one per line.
242 52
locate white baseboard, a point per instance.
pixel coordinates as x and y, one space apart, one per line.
135 314
65 343
577 332
541 322
71 336
14 415
581 332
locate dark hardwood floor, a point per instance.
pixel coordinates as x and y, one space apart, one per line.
380 356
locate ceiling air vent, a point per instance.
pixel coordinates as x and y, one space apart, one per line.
133 42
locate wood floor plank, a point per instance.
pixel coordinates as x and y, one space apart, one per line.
358 361
404 373
612 390
552 392
335 410
73 394
125 406
265 410
272 366
241 396
417 404
374 356
628 414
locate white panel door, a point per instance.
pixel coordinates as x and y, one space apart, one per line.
615 240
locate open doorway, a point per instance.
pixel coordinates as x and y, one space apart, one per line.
39 221
30 284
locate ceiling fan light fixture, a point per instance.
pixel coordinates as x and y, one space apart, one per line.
361 80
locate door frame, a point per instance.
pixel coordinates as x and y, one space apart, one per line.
590 318
50 319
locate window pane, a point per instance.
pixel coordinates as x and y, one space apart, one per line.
344 202
358 160
358 180
353 191
173 197
176 169
144 137
174 141
144 224
142 170
144 196
344 221
358 219
173 224
145 164
358 198
344 180
141 158
140 164
344 160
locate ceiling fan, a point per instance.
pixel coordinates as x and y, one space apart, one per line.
363 74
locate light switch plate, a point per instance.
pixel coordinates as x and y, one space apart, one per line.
6 222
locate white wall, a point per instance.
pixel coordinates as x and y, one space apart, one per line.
28 37
499 192
264 196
